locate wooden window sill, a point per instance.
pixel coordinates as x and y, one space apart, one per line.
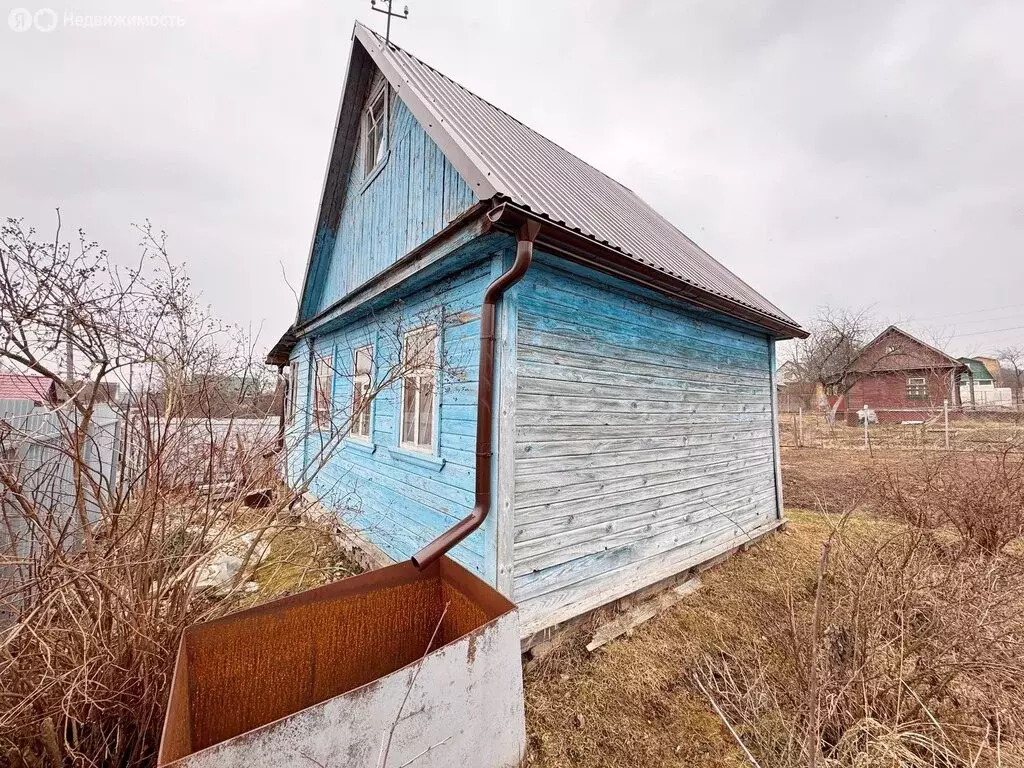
375 172
416 458
361 446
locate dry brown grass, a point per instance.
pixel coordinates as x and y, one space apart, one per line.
916 659
633 703
84 671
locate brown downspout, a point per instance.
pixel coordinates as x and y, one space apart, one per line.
484 398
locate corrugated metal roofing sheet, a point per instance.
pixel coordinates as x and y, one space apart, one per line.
514 161
19 386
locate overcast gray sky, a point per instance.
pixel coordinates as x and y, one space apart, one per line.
829 152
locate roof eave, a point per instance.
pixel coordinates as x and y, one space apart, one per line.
586 251
280 353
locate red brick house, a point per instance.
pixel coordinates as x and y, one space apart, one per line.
901 378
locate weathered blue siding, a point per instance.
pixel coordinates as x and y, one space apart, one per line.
411 197
643 440
397 503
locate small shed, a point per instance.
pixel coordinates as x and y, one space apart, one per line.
503 353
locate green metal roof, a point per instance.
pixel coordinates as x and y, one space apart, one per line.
978 369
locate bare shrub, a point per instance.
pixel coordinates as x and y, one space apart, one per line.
103 565
978 496
896 654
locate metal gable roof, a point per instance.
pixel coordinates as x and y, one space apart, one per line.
20 386
499 156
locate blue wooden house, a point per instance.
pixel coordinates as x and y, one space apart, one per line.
619 427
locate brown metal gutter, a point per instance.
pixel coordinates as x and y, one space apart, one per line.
526 235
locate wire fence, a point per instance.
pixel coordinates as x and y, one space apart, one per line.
952 428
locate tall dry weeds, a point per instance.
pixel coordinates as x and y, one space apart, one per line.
913 652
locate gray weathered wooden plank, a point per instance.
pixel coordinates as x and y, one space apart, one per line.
639 614
505 500
681 488
602 588
560 486
557 448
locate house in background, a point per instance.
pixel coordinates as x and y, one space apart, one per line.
795 391
38 390
901 378
624 377
991 364
978 385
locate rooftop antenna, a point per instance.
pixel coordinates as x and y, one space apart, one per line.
389 13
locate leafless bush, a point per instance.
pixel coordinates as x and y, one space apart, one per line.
100 579
979 496
896 654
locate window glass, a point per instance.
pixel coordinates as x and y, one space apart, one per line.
419 356
375 132
361 382
324 379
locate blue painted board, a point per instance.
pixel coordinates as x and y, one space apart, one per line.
397 502
413 195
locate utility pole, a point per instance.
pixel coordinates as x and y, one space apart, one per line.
403 15
69 352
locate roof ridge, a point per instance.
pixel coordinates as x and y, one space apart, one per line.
491 104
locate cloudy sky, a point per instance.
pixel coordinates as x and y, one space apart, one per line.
831 153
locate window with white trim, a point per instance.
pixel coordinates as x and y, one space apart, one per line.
419 364
361 382
323 382
375 131
917 388
293 391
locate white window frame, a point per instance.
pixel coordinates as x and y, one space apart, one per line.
917 387
372 161
428 372
362 383
322 401
293 390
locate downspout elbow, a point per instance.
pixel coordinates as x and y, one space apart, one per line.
485 402
451 537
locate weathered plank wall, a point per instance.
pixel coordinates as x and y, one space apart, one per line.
411 197
643 441
398 500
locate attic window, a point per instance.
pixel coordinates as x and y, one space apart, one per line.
375 138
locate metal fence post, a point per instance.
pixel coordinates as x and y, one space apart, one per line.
945 417
867 445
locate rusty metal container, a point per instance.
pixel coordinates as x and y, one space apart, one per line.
392 667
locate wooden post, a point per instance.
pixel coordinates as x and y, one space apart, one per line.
867 445
800 427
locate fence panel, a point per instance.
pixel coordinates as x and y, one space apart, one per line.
39 493
944 428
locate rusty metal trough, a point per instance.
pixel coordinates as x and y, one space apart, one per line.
342 676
